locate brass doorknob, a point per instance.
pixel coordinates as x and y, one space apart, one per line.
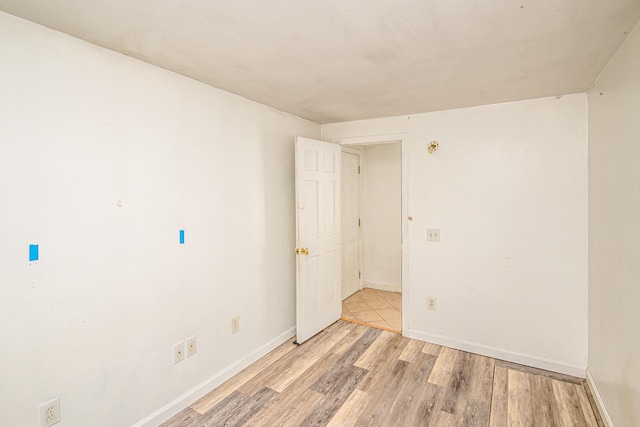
303 251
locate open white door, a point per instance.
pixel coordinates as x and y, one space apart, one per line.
318 261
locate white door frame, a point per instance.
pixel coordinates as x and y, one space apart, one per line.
403 139
357 152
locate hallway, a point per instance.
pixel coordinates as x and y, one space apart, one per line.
373 307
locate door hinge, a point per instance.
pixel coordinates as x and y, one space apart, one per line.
358 168
359 223
359 275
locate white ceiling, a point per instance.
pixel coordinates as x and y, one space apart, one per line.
337 60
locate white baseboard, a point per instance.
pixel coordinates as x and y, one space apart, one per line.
182 402
382 286
497 353
593 388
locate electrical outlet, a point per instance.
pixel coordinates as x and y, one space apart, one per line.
50 413
191 346
433 234
235 324
431 303
178 352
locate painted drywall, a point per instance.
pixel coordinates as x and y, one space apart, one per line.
508 189
103 159
614 234
381 215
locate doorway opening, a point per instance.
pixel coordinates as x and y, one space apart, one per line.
372 230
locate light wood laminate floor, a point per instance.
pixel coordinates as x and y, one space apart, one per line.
354 375
380 309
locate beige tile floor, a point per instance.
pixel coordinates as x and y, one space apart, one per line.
380 309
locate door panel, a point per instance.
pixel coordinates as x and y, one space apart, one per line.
311 210
329 209
318 180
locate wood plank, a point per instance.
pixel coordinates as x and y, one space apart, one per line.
445 419
294 363
441 373
225 408
468 393
537 371
383 393
569 410
499 398
184 418
519 400
336 376
411 351
339 381
416 399
355 332
432 349
214 397
544 410
362 346
244 412
585 404
291 396
313 374
475 413
457 388
295 412
294 368
384 363
349 412
481 381
426 408
379 346
337 326
594 406
336 392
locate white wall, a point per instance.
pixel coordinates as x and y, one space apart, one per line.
83 129
381 215
614 234
508 189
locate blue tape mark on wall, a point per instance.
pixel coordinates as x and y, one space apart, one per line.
33 252
182 237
